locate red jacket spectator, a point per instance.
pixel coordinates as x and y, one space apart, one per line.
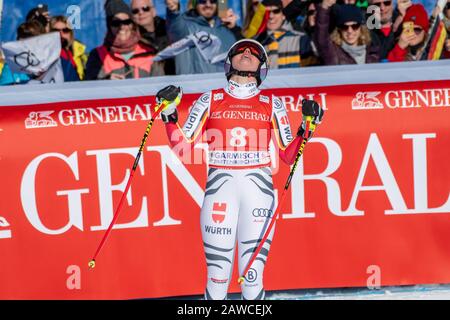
410 45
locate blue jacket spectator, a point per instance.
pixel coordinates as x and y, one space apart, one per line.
202 18
8 78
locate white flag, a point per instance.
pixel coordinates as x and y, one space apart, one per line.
207 44
37 56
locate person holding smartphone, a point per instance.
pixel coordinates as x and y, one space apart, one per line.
410 44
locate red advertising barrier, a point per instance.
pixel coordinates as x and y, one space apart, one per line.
368 205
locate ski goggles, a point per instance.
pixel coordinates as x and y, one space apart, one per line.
255 50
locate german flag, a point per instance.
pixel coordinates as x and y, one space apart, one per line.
258 23
437 38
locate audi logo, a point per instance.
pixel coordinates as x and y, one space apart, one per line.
26 59
261 212
204 39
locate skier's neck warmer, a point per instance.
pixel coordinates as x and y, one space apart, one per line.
242 91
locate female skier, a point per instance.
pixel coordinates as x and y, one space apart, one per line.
238 122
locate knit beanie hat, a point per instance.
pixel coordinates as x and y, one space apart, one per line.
348 13
417 14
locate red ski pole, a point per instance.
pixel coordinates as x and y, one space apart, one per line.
308 120
158 110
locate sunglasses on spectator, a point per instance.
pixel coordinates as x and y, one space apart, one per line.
275 11
143 9
447 6
346 27
117 22
204 1
64 30
386 3
310 12
417 30
254 50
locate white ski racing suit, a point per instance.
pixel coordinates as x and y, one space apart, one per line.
238 123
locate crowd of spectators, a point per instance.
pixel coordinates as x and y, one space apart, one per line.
295 33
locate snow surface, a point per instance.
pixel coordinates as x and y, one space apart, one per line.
416 292
422 292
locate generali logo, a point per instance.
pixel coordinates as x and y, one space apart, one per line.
40 119
367 100
432 98
87 116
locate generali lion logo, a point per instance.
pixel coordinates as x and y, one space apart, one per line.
40 119
219 211
367 100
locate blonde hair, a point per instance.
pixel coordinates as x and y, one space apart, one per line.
364 36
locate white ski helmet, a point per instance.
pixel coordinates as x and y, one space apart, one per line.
257 50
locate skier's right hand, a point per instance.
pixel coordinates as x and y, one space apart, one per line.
170 97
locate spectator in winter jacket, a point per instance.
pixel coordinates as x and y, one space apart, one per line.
349 43
286 47
202 17
71 49
385 34
152 29
122 55
410 45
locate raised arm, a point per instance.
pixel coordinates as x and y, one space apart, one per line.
326 48
287 145
183 138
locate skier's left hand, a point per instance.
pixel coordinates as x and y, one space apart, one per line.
312 111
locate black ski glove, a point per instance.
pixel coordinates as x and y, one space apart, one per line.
310 109
171 97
